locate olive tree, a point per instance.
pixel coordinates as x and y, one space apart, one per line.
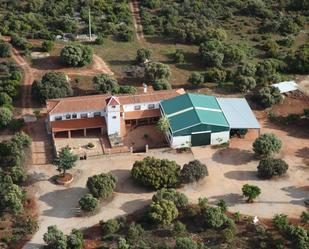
143 55
268 96
179 199
88 203
5 117
251 192
105 83
213 217
76 55
5 49
245 83
156 71
65 160
269 167
185 243
266 145
55 238
193 171
163 124
47 46
196 79
102 185
156 173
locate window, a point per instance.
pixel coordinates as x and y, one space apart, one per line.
97 114
151 106
113 106
84 115
114 117
68 116
58 118
74 115
137 107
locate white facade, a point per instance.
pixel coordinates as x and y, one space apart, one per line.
141 106
219 137
113 119
90 114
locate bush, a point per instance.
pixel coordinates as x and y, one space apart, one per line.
196 79
161 84
88 203
20 43
155 71
100 40
102 185
222 205
75 240
110 226
163 212
47 45
105 83
213 59
269 167
5 117
76 55
143 55
193 172
266 145
268 96
251 192
179 199
53 85
156 173
135 231
185 243
213 217
178 56
163 125
5 49
215 75
233 54
304 217
179 227
5 99
55 239
127 90
245 83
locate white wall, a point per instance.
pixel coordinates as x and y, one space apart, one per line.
144 106
90 114
219 137
181 141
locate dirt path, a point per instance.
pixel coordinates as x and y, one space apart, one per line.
134 7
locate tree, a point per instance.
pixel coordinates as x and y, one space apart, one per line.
269 167
47 45
212 58
246 69
299 63
5 49
213 217
110 226
251 192
163 212
76 55
179 199
222 205
54 238
245 83
185 243
5 117
143 55
5 99
88 203
233 54
268 96
161 84
193 171
20 42
22 140
65 160
156 173
215 75
53 85
102 185
157 71
105 83
75 240
178 56
127 90
266 145
100 40
163 124
196 79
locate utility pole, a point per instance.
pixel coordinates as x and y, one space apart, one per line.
89 24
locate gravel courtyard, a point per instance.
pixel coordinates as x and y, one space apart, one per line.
229 169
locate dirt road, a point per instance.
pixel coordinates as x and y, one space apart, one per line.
134 7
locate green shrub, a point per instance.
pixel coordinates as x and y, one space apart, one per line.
269 167
105 83
47 45
102 185
193 171
268 96
135 231
111 226
304 217
178 56
179 199
161 84
251 192
143 55
266 145
185 243
5 49
54 238
5 117
163 212
196 79
215 75
88 203
156 173
213 217
76 55
222 205
179 227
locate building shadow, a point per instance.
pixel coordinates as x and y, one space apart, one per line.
63 203
131 206
242 175
298 194
233 156
231 199
126 183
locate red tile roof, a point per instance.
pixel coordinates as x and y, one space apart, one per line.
142 114
98 102
77 124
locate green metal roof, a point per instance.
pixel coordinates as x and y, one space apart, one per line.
189 110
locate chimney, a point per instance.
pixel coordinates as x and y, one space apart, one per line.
145 88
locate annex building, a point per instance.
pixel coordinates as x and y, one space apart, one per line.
194 119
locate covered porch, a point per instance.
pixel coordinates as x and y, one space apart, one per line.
142 117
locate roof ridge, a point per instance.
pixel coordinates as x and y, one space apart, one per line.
194 107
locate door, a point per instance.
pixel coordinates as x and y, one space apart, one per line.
198 139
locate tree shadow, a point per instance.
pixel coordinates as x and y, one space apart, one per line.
126 183
35 177
242 175
121 62
63 203
303 153
300 193
233 156
47 63
131 206
33 246
160 40
231 199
